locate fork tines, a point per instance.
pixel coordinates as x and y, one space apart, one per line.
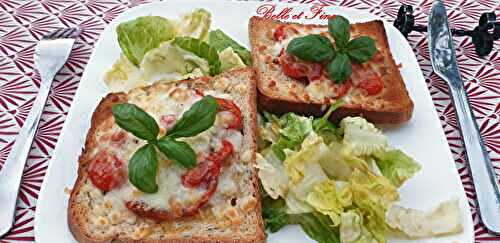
63 33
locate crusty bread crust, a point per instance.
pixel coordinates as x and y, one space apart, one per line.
393 105
77 213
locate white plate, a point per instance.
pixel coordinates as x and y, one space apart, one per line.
422 137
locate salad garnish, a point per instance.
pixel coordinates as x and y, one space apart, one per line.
339 182
338 59
156 48
143 164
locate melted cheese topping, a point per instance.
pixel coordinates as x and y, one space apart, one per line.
174 102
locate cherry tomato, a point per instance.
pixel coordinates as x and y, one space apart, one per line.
341 89
294 68
315 71
106 171
372 86
279 33
228 105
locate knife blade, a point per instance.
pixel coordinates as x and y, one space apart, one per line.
444 63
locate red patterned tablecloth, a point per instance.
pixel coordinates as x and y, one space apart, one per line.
23 22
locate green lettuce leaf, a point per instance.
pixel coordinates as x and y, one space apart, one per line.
372 195
282 144
327 200
396 166
230 60
362 137
317 226
138 36
272 174
274 213
443 220
325 128
170 62
123 75
195 24
294 130
296 205
303 166
202 50
352 229
221 41
340 162
295 127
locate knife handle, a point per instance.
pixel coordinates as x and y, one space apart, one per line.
482 171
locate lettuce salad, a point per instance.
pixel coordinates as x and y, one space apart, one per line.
156 48
340 182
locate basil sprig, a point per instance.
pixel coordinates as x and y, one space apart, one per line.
143 164
338 59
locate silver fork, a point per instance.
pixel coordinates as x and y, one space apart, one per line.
50 55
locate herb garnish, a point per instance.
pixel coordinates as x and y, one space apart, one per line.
142 166
318 48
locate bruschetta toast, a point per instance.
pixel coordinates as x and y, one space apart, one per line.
116 211
384 101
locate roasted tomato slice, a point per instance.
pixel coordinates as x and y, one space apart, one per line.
366 79
106 171
297 69
371 85
205 170
222 154
279 33
177 210
341 89
204 175
228 105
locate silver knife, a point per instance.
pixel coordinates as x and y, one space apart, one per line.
445 65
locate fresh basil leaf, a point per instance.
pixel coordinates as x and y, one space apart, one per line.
340 31
198 118
138 36
274 213
142 169
340 68
312 48
136 121
221 41
317 226
361 49
201 49
177 151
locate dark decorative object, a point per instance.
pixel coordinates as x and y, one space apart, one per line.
482 36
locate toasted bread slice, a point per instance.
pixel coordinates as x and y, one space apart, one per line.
278 93
233 213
